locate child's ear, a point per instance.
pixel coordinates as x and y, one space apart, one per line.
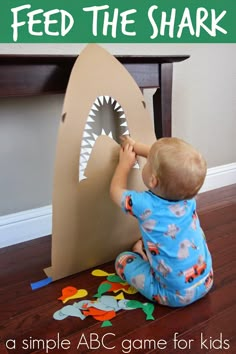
154 181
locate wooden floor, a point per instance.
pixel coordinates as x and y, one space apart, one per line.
208 326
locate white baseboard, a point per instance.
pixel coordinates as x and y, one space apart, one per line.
31 224
24 226
220 176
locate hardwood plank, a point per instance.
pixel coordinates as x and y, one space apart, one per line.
27 314
213 200
213 334
26 298
220 231
25 261
177 321
3 349
232 346
218 217
65 328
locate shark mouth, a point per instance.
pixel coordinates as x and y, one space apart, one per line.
106 117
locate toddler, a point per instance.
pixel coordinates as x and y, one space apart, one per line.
171 264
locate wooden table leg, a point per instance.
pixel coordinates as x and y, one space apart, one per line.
162 100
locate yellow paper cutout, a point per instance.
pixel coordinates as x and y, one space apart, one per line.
80 293
100 273
67 292
119 296
131 290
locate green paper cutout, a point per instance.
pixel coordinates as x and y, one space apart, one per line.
135 304
147 308
103 288
106 324
115 279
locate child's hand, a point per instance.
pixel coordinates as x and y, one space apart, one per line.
126 139
127 156
138 247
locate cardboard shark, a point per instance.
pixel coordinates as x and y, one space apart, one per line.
102 102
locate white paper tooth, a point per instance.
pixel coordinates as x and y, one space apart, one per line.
103 132
90 120
83 165
84 143
87 150
87 126
82 170
95 136
136 166
83 151
86 157
86 135
101 98
82 176
117 105
125 124
83 159
110 135
91 142
126 133
107 98
112 100
94 107
91 113
122 116
120 110
97 102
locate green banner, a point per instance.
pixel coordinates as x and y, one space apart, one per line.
113 21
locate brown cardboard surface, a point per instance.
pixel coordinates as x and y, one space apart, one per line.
88 229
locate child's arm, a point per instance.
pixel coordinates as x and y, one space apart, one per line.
119 180
139 148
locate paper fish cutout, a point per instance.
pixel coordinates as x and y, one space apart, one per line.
66 311
109 301
131 290
83 303
147 308
99 315
104 308
107 286
101 273
120 296
99 86
59 315
106 324
113 278
123 305
67 292
80 293
70 293
103 288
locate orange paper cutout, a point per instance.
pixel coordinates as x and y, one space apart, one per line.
116 286
67 292
79 293
99 315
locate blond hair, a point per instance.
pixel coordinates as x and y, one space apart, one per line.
179 168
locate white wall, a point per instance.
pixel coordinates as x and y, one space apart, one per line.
28 131
204 113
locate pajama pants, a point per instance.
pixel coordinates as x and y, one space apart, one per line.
131 267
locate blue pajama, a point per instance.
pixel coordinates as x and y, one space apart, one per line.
179 267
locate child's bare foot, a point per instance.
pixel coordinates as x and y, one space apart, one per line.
138 248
